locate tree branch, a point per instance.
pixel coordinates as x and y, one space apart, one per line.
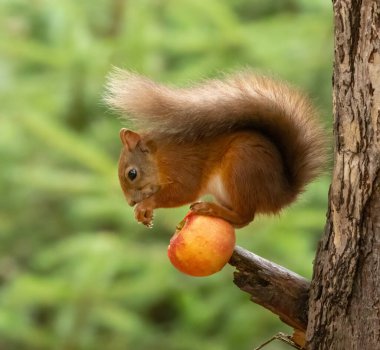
272 286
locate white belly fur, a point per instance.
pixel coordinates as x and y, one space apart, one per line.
216 188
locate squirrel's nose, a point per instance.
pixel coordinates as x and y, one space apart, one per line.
131 202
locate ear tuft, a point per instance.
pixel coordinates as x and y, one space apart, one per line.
129 138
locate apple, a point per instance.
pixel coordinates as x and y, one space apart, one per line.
201 245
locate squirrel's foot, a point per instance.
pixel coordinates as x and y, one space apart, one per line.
144 215
212 209
203 208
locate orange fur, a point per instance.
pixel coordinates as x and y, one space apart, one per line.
251 142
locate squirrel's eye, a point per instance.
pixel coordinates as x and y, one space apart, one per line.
132 174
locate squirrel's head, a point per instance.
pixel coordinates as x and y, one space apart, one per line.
138 173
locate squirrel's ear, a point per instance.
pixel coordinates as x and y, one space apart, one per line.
129 138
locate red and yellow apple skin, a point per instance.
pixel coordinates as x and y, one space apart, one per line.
202 246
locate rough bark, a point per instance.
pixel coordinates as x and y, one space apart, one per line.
272 286
344 299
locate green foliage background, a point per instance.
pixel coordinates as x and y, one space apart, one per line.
76 271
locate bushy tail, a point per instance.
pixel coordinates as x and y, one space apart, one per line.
241 101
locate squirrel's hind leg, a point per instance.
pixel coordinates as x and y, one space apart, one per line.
216 210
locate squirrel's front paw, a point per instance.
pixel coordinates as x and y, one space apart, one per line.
144 215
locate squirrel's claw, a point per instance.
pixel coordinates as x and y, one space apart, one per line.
144 215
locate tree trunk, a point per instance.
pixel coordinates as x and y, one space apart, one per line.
344 302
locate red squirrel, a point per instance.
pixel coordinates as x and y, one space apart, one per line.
250 142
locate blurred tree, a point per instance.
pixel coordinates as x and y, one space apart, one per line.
73 266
